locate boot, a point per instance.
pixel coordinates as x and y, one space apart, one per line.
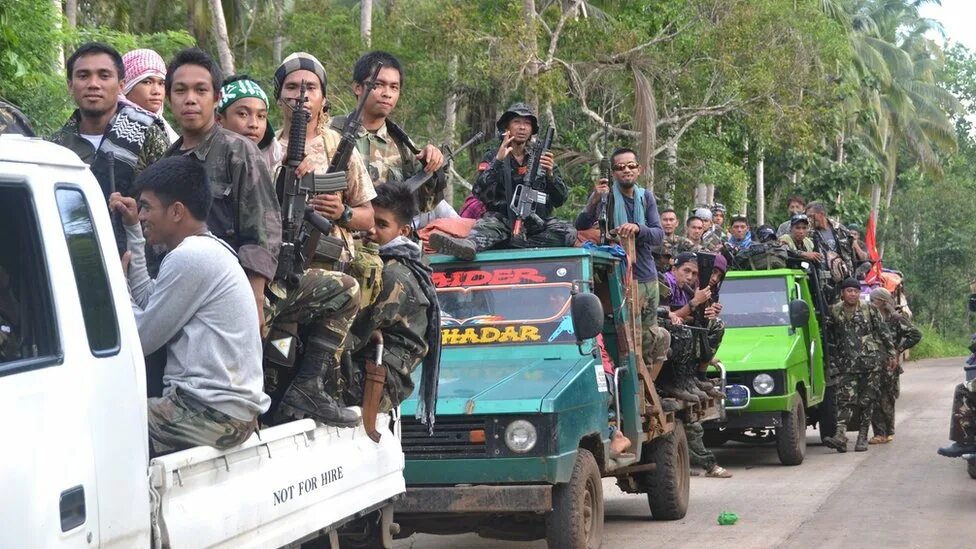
710 389
862 442
958 449
461 248
702 395
839 440
307 396
687 396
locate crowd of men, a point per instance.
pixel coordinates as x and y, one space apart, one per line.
200 231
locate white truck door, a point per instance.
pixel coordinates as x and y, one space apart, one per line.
47 465
113 365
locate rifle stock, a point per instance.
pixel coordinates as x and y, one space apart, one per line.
415 182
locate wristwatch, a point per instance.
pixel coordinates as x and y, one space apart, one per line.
346 216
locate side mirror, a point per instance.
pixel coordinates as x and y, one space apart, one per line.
972 303
799 313
587 313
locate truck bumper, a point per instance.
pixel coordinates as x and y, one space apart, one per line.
745 420
476 499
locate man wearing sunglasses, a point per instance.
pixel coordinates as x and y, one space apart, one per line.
631 212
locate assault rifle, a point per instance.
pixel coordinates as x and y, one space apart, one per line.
418 180
530 193
293 193
607 172
117 228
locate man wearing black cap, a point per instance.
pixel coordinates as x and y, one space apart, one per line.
797 239
864 347
501 171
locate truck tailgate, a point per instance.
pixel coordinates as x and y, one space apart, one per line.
281 485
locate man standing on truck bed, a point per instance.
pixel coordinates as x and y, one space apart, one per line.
632 212
864 347
200 308
500 173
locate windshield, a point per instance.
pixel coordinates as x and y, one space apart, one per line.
751 302
506 303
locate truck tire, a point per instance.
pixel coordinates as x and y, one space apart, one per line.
791 438
827 413
576 519
669 484
971 467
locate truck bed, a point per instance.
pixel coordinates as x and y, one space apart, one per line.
284 483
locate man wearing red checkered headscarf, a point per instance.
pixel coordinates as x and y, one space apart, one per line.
145 84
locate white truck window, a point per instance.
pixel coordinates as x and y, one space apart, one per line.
97 306
28 338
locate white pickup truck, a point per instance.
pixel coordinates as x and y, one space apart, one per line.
74 461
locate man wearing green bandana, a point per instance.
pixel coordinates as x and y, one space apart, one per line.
632 211
243 109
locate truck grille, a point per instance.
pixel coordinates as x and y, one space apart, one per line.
451 438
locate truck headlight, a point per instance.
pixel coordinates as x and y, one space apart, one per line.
763 384
520 436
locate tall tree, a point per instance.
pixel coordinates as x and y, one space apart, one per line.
224 52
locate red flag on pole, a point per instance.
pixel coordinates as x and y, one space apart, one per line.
871 242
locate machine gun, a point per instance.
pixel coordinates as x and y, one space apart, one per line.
293 193
337 169
530 193
607 172
418 180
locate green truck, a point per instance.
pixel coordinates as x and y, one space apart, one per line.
521 439
773 355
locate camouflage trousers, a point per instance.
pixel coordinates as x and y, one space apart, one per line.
697 453
962 427
324 304
652 339
883 418
178 421
857 394
493 231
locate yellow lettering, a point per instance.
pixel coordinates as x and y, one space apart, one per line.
469 336
529 333
449 336
490 335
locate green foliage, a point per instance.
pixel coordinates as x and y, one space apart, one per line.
936 345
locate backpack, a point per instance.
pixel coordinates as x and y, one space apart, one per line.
760 257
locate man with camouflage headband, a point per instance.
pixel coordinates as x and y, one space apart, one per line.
501 171
864 347
718 221
389 153
243 108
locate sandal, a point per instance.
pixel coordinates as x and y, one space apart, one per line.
718 472
878 439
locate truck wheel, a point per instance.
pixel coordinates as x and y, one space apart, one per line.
576 520
971 467
668 485
827 414
791 438
713 438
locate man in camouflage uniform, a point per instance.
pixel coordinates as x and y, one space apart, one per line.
694 229
405 311
14 121
833 241
389 152
710 240
962 425
905 336
500 173
864 347
718 222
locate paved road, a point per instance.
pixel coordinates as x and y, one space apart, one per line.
898 495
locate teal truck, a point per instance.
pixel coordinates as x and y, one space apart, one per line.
773 354
521 439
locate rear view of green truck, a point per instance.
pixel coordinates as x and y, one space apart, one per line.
774 358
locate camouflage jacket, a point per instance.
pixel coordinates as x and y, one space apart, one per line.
862 337
904 334
245 211
14 121
390 155
712 241
400 313
676 244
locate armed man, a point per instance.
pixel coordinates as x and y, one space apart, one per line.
388 151
905 336
832 241
116 138
504 175
864 347
632 213
406 312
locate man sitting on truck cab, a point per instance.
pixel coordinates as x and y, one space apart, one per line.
200 308
405 312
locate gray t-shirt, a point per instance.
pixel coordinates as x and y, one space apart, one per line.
201 307
828 237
